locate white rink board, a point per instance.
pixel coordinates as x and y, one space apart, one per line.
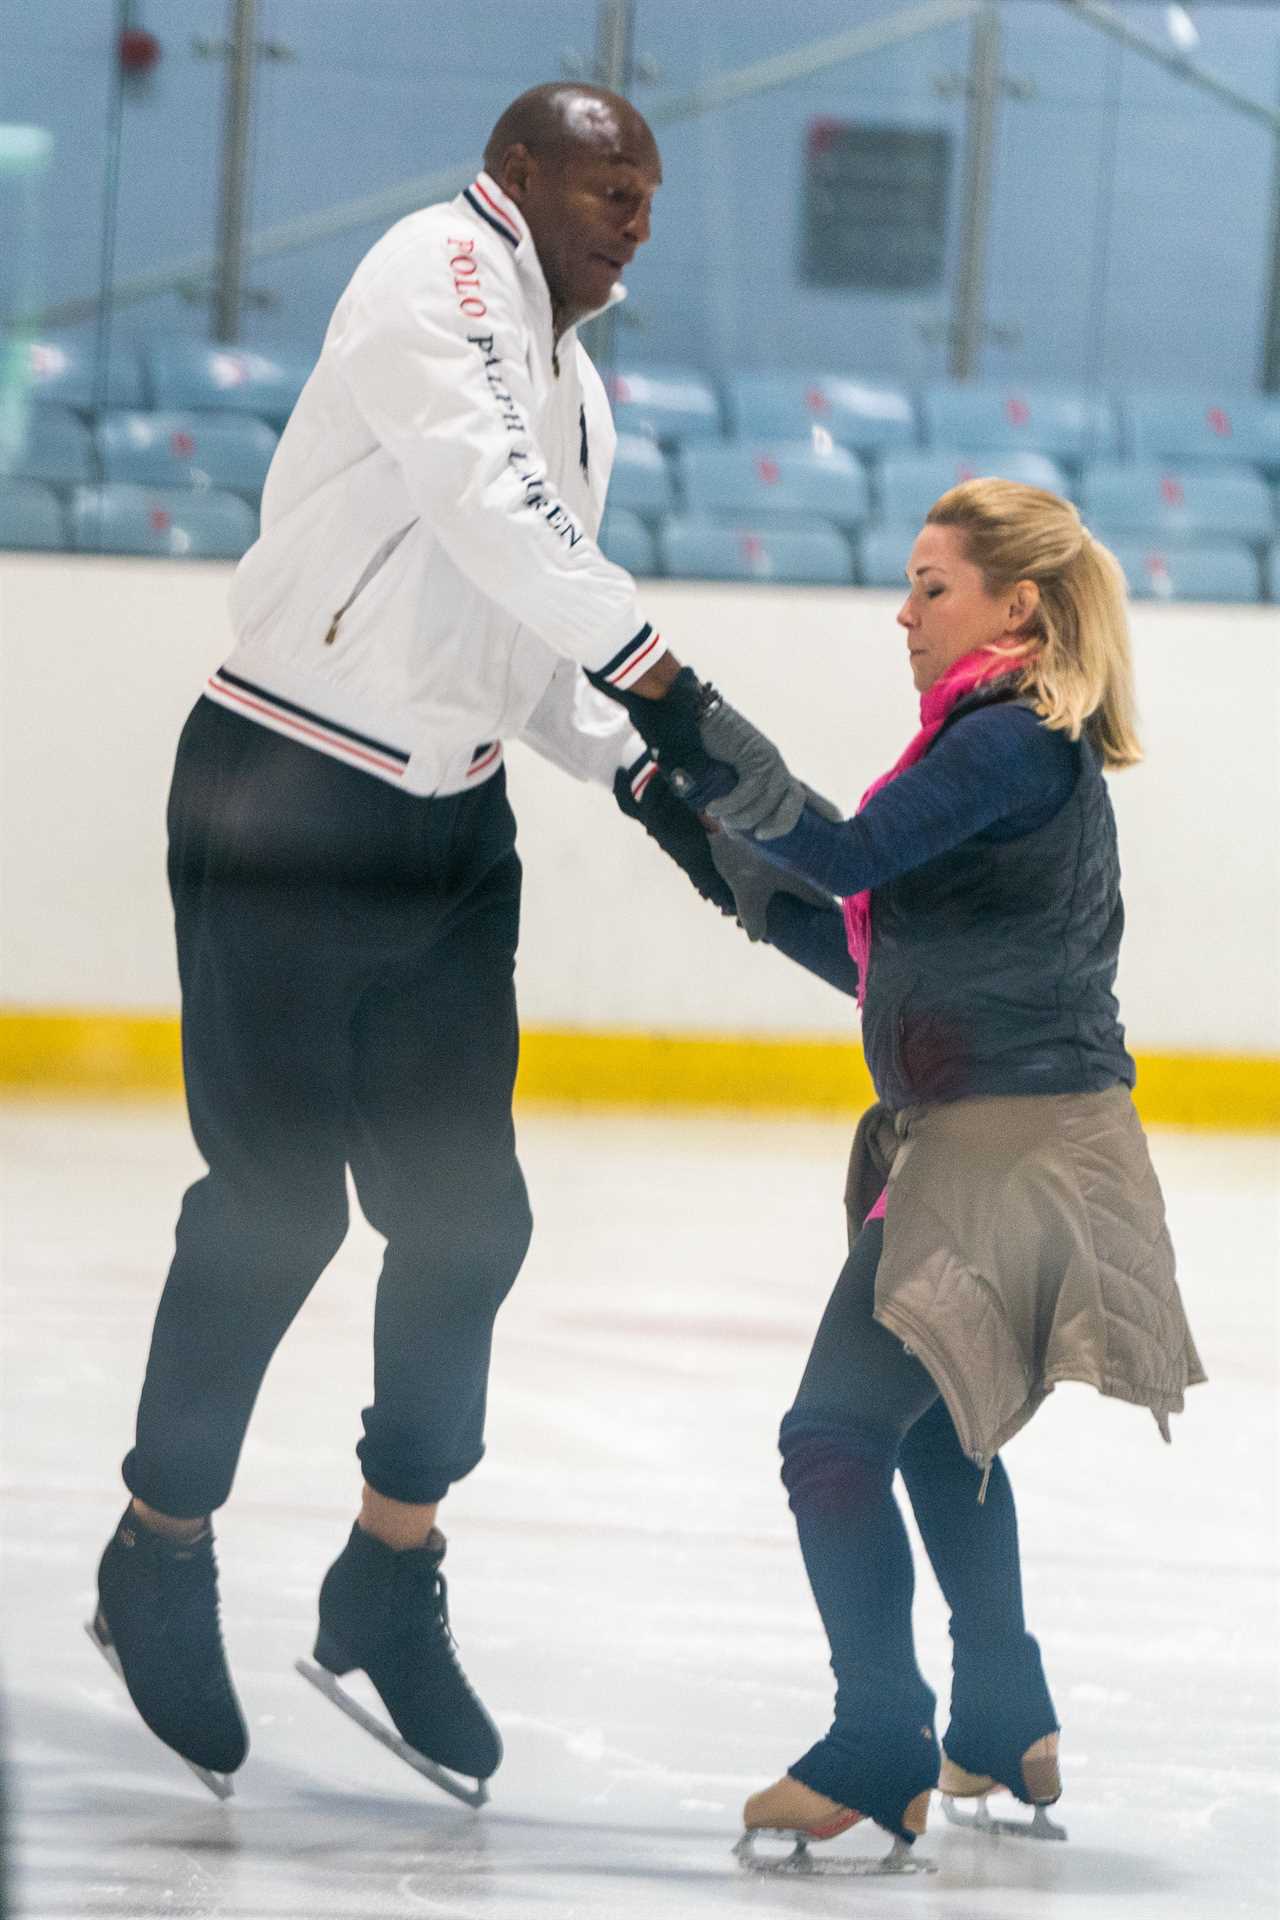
101 659
624 1579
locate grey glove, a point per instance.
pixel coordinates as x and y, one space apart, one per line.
753 880
767 800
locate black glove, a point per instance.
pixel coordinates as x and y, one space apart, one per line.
679 833
671 727
814 940
714 757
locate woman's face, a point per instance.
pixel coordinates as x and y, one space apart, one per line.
948 611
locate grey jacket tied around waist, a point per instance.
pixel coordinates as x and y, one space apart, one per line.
992 966
1025 1244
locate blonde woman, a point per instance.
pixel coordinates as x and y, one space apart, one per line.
1007 1228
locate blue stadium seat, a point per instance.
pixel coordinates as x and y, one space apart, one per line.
183 522
665 403
30 515
1183 503
1211 570
186 450
625 539
884 552
700 549
62 371
1065 424
860 414
640 480
786 480
192 374
911 482
58 449
1242 429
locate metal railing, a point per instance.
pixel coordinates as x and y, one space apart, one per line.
222 270
190 271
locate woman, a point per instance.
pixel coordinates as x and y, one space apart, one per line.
1020 1239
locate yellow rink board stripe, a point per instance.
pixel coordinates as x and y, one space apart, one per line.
103 1054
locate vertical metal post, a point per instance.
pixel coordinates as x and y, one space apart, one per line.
969 310
228 281
1271 325
615 31
1104 223
615 42
110 226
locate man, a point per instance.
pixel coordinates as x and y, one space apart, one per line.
346 892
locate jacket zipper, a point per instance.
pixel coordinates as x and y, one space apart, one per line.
912 1346
375 566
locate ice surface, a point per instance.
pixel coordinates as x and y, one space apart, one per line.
624 1581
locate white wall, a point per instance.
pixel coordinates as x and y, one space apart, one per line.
100 660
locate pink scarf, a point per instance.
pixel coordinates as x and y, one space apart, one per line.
959 679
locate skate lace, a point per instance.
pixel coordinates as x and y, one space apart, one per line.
432 1596
191 1612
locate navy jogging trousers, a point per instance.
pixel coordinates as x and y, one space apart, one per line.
346 953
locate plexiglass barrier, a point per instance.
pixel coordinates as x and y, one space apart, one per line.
957 205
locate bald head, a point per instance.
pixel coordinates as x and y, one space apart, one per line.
552 120
582 166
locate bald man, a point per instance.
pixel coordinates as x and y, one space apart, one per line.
346 893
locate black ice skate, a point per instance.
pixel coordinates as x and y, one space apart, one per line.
386 1613
157 1626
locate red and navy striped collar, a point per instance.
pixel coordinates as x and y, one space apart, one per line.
487 200
485 197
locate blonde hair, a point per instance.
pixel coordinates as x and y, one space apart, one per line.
1076 665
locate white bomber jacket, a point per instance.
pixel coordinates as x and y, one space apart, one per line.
427 582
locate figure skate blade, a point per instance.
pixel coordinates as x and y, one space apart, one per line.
1039 1827
324 1682
900 1860
219 1784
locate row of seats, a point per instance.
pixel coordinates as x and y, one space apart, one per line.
693 547
679 404
726 479
793 480
210 524
184 523
1070 425
166 373
169 449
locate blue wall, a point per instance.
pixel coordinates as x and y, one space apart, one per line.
1131 215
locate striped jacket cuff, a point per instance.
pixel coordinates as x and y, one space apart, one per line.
631 662
640 773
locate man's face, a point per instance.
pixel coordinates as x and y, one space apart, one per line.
588 208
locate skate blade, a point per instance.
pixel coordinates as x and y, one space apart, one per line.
1039 1827
219 1784
324 1682
900 1860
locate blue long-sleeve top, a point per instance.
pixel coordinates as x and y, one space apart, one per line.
996 773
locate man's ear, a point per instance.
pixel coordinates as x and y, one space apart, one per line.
514 173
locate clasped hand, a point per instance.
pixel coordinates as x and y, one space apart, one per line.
767 799
716 761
